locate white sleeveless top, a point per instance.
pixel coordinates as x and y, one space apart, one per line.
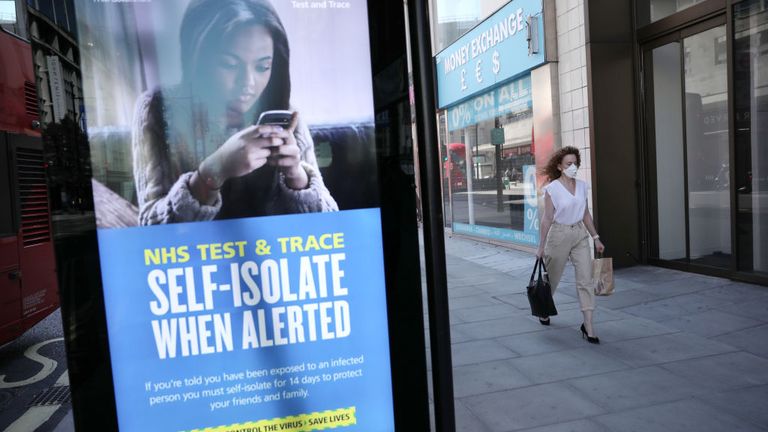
569 208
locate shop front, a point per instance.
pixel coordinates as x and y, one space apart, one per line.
703 79
489 82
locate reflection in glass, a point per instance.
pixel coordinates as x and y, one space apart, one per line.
649 11
7 12
10 18
668 128
454 18
750 72
473 172
489 182
707 149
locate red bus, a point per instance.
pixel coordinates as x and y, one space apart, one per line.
28 287
455 169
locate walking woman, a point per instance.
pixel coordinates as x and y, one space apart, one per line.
565 231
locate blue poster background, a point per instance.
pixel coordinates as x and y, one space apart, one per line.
134 356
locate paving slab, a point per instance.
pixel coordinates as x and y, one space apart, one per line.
519 273
507 265
571 315
622 284
470 302
746 404
518 300
490 280
464 291
484 313
687 285
567 305
736 291
562 365
625 299
723 372
756 309
489 377
688 415
552 339
458 336
665 348
513 286
635 388
565 294
675 307
500 327
531 407
628 328
453 316
649 274
583 425
466 421
482 351
753 340
472 275
494 260
711 323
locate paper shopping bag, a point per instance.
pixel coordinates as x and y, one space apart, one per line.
602 275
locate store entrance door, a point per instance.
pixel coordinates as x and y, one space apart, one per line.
685 78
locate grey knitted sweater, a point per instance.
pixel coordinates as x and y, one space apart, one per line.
171 138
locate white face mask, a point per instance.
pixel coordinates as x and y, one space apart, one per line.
571 171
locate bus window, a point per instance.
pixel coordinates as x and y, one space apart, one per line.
8 15
11 19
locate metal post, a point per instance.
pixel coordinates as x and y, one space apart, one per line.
497 160
434 241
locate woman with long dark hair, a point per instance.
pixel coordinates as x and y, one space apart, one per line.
565 230
198 154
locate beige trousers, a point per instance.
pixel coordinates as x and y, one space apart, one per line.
571 241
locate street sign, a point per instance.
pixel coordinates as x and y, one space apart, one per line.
497 136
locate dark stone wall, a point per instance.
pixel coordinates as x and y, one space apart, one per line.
614 132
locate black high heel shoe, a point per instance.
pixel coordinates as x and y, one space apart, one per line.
544 321
590 339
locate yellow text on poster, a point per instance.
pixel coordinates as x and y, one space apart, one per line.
303 422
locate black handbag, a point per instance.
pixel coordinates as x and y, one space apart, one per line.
540 292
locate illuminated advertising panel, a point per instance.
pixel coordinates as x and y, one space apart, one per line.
240 239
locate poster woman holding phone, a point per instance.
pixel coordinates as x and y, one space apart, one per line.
199 152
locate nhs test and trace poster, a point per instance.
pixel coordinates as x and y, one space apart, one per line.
240 295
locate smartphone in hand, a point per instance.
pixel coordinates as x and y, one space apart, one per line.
275 118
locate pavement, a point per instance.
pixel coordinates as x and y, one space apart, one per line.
679 351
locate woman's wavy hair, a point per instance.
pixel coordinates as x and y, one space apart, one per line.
550 169
207 23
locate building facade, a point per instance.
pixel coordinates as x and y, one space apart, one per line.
512 88
701 74
664 98
56 61
55 53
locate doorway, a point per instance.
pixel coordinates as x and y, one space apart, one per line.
686 96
